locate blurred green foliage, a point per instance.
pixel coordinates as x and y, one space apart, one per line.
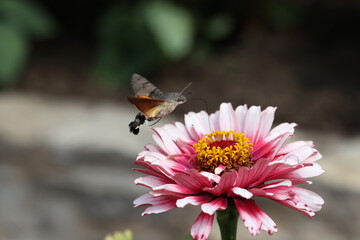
138 37
189 237
281 15
20 22
126 235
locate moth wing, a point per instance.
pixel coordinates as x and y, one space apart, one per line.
142 86
149 106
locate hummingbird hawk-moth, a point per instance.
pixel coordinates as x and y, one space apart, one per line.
153 103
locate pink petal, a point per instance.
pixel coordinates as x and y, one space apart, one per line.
193 200
211 177
205 121
151 181
159 142
219 169
159 204
254 218
188 181
247 176
177 131
146 199
183 130
227 181
217 204
313 158
153 169
199 177
283 139
198 123
291 160
251 124
157 163
310 170
185 146
265 174
266 121
240 113
272 185
166 165
153 148
171 190
280 130
302 152
227 117
167 140
264 147
201 229
214 121
302 200
294 145
147 171
257 192
159 208
242 192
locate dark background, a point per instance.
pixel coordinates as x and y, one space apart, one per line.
302 56
65 70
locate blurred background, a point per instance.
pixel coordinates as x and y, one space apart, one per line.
65 66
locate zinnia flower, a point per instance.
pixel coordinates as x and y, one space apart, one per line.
229 157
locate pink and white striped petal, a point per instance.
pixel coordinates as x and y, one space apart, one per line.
188 181
247 176
303 171
300 199
241 192
171 190
227 181
217 204
193 200
159 204
254 218
201 229
151 181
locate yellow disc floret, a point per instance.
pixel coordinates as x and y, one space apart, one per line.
227 148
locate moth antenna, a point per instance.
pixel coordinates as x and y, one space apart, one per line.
206 106
188 85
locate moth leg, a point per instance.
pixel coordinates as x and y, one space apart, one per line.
155 122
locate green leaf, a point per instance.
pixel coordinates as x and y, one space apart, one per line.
27 17
172 27
189 237
13 52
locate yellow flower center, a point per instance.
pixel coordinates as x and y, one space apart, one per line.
230 149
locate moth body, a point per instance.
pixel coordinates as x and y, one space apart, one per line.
152 102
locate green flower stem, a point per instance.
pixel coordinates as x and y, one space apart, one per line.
227 220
